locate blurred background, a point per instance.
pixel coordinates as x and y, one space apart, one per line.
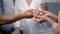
7 7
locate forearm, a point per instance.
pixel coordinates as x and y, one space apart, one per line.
53 16
54 25
11 18
49 20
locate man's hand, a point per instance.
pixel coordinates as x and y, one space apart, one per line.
27 13
35 13
30 13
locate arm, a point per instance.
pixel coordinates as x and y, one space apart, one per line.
6 19
49 14
54 16
55 26
10 18
44 18
50 20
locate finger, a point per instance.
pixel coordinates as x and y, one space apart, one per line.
37 19
30 12
35 14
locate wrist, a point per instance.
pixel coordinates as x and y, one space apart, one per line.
47 19
22 15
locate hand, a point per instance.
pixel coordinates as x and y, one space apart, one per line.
31 12
47 13
44 6
58 28
39 15
40 18
35 13
54 26
27 13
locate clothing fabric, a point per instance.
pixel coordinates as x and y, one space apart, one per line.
8 10
1 8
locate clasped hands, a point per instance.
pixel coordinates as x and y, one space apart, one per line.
36 14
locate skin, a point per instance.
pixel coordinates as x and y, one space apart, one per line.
46 14
49 14
7 19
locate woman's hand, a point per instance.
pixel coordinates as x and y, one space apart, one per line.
47 13
44 6
39 15
40 18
